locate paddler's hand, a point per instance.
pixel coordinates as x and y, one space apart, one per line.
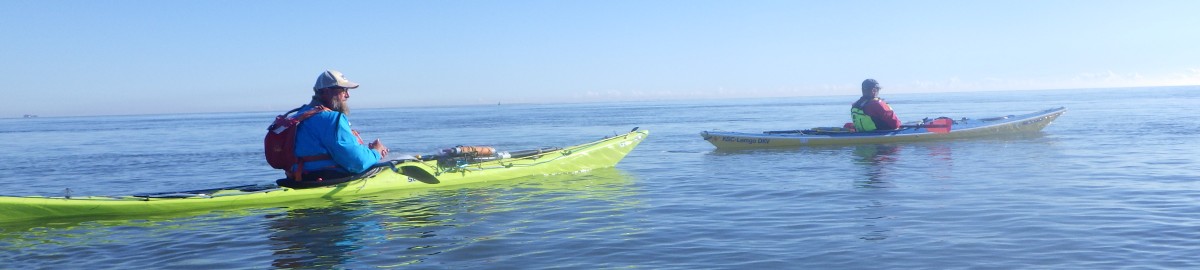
378 146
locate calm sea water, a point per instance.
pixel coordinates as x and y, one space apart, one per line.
1113 183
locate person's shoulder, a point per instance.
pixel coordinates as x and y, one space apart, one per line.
877 103
322 115
327 115
311 108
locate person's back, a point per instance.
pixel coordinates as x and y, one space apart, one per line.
870 112
325 143
328 135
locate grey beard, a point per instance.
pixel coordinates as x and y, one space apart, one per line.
338 106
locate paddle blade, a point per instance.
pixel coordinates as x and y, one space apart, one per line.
940 125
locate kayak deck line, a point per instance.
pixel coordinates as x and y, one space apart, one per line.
395 175
501 164
209 192
923 131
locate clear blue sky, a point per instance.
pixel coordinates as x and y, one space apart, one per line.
134 57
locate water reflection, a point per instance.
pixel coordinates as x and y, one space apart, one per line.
881 166
442 225
322 237
878 162
877 159
941 161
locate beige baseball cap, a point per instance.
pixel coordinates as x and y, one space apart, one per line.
333 78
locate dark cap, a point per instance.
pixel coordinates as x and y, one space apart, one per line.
869 84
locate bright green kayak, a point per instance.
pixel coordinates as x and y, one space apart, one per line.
391 176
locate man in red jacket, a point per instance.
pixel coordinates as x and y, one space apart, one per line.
870 112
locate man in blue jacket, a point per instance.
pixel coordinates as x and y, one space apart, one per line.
325 143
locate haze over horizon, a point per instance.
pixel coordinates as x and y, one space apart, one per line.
70 58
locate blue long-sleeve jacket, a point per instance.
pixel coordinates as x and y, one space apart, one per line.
329 132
